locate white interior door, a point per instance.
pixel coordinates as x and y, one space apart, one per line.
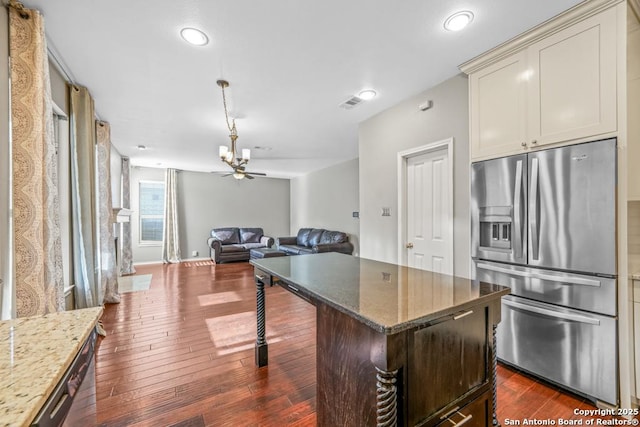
429 213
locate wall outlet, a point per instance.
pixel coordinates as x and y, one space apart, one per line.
194 253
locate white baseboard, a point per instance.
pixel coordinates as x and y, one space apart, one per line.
147 263
196 259
184 260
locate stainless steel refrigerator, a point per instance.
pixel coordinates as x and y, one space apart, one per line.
544 224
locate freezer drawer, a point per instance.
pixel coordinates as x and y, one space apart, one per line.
572 348
591 293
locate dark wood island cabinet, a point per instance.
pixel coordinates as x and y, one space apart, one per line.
395 345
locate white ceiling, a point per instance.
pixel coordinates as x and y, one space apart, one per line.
290 64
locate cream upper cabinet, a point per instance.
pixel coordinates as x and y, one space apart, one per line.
498 108
573 83
559 88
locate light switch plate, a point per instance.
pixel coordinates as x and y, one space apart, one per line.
386 211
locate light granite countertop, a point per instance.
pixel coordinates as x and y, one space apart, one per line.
35 352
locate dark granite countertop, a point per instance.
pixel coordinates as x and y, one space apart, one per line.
387 297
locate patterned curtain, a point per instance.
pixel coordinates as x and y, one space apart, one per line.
108 267
37 245
170 236
126 264
88 290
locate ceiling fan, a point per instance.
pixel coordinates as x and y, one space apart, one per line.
240 173
227 155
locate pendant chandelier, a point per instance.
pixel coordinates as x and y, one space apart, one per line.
228 154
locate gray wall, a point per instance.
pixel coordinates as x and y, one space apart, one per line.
207 201
400 128
327 199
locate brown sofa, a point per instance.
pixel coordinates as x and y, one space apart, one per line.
233 243
315 240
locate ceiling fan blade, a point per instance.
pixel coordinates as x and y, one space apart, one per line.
257 173
248 176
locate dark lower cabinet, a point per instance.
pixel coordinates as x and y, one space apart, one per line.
447 360
441 372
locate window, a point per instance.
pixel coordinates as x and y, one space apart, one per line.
151 211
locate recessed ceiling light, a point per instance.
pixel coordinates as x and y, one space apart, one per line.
458 20
194 36
141 147
367 94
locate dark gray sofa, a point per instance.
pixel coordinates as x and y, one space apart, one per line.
315 240
234 243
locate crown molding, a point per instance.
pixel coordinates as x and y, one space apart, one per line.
566 19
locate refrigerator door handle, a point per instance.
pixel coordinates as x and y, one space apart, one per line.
533 209
517 211
552 313
570 280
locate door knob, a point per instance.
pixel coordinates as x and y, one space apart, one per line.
524 144
409 245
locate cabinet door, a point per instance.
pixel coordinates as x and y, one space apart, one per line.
446 361
498 108
572 86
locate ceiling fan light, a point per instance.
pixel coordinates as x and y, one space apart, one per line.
238 175
246 154
194 36
458 20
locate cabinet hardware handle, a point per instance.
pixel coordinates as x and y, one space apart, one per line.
259 277
562 279
464 419
409 245
534 142
461 315
293 288
524 144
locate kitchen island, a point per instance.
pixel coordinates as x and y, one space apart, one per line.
35 353
395 345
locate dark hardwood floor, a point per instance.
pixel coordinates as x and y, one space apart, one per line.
181 354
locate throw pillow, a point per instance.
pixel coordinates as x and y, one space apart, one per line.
228 236
251 235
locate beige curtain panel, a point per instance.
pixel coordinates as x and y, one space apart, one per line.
171 235
107 253
88 290
126 263
37 247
